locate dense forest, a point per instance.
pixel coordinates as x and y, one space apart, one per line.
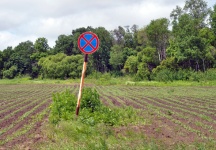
180 48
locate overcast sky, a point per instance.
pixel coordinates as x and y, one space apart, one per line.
22 20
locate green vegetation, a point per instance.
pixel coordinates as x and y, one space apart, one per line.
120 127
92 111
153 52
154 88
94 120
118 117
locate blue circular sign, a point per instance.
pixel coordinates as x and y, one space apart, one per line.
88 42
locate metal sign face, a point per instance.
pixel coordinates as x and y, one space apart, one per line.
88 42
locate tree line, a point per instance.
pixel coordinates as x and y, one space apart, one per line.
172 49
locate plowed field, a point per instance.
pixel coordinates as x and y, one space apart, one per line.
180 114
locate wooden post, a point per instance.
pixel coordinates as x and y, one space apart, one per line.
81 83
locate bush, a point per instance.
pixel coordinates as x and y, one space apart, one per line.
90 99
92 111
61 66
63 106
165 75
196 76
10 73
210 74
143 72
183 74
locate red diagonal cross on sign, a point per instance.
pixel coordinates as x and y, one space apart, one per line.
88 42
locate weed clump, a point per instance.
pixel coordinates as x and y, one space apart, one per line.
92 110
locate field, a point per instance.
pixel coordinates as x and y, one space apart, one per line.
176 114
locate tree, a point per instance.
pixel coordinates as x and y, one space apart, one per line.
208 53
6 54
158 35
61 66
21 57
64 44
119 55
135 29
147 61
198 10
10 73
41 45
118 36
131 64
1 63
213 22
189 45
41 50
116 57
142 38
101 57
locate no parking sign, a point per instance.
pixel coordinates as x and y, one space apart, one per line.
88 43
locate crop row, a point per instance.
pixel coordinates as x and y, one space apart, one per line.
18 114
189 116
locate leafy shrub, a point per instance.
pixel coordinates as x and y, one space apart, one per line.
10 73
183 74
90 99
210 74
196 76
108 116
143 72
61 66
131 65
92 111
165 75
95 75
63 106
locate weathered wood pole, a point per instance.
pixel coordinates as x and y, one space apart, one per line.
81 83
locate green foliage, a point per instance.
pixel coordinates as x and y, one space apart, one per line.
147 59
90 99
100 59
158 35
64 44
10 73
164 75
131 64
116 57
92 111
213 18
108 116
62 107
191 45
41 45
21 57
143 72
210 74
61 66
169 63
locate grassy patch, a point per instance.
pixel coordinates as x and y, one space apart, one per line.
106 80
75 135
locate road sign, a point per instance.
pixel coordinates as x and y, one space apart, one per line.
88 42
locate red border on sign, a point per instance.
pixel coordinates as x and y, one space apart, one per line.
94 36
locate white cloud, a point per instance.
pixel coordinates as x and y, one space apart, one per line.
23 20
9 39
